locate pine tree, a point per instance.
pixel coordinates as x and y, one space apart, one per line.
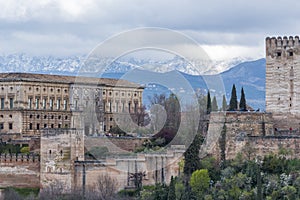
224 103
214 104
243 106
233 100
208 107
171 193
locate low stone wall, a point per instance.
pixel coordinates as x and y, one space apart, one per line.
19 171
158 168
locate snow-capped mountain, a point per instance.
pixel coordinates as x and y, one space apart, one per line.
74 64
250 75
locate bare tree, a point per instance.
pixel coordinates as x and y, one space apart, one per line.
53 191
106 187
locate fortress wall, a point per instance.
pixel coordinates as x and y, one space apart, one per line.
158 168
252 134
16 171
277 144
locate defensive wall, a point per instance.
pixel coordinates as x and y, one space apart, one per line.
250 133
19 171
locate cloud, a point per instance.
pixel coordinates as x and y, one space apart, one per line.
57 23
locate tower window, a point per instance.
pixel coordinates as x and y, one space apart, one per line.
290 53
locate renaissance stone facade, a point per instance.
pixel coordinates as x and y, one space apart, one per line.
31 102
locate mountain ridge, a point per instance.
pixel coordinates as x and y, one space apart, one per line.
249 74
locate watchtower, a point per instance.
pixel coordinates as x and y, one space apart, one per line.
282 82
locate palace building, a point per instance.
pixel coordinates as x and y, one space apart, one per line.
32 102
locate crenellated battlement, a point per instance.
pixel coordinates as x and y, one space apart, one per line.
58 132
19 158
282 46
282 42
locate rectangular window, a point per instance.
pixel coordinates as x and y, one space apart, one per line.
135 106
11 103
117 107
2 103
30 126
129 104
37 126
76 104
44 103
123 106
10 126
65 104
37 101
58 104
1 126
109 104
30 103
51 104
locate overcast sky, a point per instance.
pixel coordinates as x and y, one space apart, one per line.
225 29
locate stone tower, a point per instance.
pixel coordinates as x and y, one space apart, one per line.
282 82
59 149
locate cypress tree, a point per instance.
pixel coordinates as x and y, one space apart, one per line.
224 103
243 106
208 103
171 193
233 100
191 156
214 104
